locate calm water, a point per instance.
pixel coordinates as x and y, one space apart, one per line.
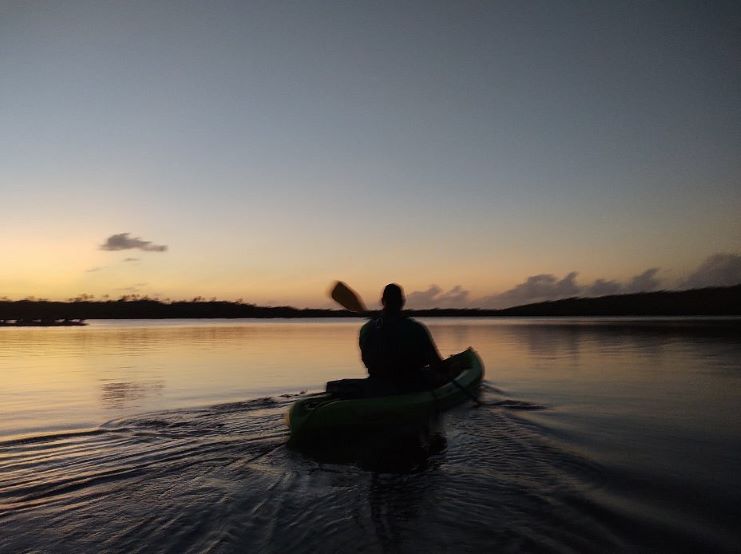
169 436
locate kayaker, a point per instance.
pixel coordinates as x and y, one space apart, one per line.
397 350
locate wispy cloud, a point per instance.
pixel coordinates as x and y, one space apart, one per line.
718 270
602 287
131 259
93 269
435 297
123 241
545 287
536 288
136 287
645 282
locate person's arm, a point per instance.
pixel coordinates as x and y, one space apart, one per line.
362 337
432 356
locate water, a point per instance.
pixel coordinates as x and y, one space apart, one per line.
169 436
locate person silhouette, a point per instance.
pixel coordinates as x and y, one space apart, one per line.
396 349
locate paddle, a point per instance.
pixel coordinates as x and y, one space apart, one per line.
347 298
350 300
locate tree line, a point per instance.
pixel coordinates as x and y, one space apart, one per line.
716 301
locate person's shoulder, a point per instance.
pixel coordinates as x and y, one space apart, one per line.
368 325
414 324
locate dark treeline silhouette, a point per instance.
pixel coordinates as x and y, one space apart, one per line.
718 301
714 301
127 308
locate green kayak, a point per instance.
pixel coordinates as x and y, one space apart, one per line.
326 414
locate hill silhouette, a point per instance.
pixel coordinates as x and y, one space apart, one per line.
715 301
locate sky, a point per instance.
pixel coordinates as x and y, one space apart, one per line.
478 153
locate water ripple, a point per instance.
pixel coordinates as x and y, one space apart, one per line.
221 479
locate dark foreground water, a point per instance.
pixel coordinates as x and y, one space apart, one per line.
595 435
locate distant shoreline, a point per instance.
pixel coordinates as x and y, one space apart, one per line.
714 301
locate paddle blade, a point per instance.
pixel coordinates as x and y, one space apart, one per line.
347 298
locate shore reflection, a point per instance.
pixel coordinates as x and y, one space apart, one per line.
123 366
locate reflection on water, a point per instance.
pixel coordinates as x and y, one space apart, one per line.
110 369
594 435
404 449
396 504
117 395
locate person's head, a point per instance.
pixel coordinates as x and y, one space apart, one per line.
393 298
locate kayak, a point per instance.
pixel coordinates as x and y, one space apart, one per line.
327 415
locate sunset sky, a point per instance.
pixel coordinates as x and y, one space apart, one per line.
478 153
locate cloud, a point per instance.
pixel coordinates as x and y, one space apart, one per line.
435 297
131 259
457 296
536 288
136 287
423 298
93 269
718 270
644 282
603 288
546 286
122 241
